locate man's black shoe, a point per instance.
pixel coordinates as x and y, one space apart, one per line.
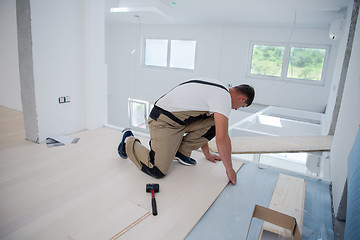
184 159
121 149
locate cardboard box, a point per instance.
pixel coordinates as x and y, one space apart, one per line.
277 218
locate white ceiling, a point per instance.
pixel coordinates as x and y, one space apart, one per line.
281 13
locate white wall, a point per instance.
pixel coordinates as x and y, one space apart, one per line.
222 52
128 79
68 60
269 92
95 68
349 118
9 60
58 50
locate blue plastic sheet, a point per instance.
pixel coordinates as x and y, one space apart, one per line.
352 228
229 216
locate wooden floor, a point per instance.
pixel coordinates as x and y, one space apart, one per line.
85 191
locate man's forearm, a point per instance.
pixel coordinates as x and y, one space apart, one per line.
224 148
205 150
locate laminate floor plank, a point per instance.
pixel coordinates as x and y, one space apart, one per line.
288 198
86 191
277 144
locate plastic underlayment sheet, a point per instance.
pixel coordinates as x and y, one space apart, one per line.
352 229
229 216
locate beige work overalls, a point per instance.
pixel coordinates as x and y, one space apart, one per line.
171 132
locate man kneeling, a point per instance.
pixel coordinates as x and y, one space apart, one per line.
185 119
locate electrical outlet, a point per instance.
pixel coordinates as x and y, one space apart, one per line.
64 99
61 99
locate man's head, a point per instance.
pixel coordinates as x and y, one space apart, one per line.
241 96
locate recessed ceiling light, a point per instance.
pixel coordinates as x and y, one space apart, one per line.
119 9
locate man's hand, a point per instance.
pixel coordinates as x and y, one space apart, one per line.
210 156
213 158
231 174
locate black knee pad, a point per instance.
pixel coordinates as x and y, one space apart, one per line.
153 172
210 134
152 157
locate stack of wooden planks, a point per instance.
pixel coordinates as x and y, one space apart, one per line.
277 144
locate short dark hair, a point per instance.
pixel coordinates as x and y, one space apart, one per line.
248 91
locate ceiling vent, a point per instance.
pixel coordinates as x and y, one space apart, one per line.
156 7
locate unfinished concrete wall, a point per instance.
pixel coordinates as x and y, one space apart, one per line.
335 77
9 60
348 122
26 67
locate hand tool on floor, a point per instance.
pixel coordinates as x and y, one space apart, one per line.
153 188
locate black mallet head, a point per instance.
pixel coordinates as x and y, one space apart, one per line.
152 186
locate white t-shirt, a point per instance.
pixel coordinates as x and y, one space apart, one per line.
201 94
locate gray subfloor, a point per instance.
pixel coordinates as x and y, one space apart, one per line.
229 216
339 228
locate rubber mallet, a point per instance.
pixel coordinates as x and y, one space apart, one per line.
153 188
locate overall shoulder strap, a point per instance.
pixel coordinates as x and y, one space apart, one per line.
196 81
206 83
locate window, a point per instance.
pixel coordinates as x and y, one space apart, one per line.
306 63
267 60
156 52
182 53
288 62
138 114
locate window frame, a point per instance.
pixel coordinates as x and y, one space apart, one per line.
248 71
285 62
324 69
144 53
130 114
168 54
